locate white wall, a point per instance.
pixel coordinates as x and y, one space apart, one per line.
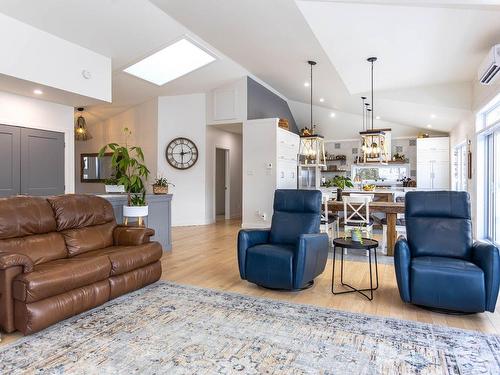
184 116
35 55
38 114
233 142
142 121
465 130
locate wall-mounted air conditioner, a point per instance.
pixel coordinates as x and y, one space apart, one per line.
489 70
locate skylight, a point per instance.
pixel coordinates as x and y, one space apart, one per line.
170 63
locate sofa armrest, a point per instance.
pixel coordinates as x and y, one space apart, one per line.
485 256
8 260
246 239
131 236
402 261
310 258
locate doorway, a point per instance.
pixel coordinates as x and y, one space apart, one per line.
222 210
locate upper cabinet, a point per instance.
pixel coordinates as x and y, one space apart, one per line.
228 104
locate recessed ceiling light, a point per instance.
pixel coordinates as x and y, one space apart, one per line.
332 114
321 100
306 84
171 62
433 115
429 126
37 92
377 118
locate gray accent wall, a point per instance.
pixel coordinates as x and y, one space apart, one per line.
263 103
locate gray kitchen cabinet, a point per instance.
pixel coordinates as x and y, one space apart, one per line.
31 161
10 160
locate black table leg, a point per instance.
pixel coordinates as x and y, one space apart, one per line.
360 291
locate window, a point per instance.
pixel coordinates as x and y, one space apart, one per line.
488 125
460 167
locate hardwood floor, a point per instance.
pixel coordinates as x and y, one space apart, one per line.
205 256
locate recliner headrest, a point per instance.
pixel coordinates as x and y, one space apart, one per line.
449 204
300 201
80 210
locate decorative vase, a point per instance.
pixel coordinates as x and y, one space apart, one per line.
158 190
114 188
339 194
355 236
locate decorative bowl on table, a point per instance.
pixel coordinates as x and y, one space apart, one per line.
368 187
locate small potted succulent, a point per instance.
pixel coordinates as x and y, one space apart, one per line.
356 235
161 185
111 185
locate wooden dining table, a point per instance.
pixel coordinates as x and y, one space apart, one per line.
391 211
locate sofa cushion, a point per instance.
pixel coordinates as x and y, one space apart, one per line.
447 283
95 237
127 258
270 265
25 216
59 276
74 211
40 248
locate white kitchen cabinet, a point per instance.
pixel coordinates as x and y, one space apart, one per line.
269 163
433 163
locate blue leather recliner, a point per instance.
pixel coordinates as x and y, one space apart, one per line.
440 266
293 252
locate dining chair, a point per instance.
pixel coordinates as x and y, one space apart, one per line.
357 214
329 221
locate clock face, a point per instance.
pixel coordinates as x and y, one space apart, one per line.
181 153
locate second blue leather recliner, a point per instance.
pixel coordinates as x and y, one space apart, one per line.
293 252
440 266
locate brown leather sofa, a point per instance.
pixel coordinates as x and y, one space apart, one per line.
63 255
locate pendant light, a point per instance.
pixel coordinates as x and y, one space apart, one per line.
81 132
311 148
312 127
373 140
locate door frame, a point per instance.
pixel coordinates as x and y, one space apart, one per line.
227 177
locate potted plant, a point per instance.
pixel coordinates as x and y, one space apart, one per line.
160 185
340 182
111 185
128 161
356 235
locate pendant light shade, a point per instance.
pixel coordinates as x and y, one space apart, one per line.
81 131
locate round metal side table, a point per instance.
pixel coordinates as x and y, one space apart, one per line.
347 243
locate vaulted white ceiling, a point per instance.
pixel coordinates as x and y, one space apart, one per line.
428 50
125 31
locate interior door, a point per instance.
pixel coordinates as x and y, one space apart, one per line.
10 161
42 162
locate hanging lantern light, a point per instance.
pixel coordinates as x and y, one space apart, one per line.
81 131
373 141
312 146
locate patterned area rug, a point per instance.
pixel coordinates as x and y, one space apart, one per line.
172 329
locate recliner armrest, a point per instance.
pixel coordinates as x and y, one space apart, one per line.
310 257
402 261
131 236
8 260
485 256
246 239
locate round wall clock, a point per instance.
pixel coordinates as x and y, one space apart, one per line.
181 153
